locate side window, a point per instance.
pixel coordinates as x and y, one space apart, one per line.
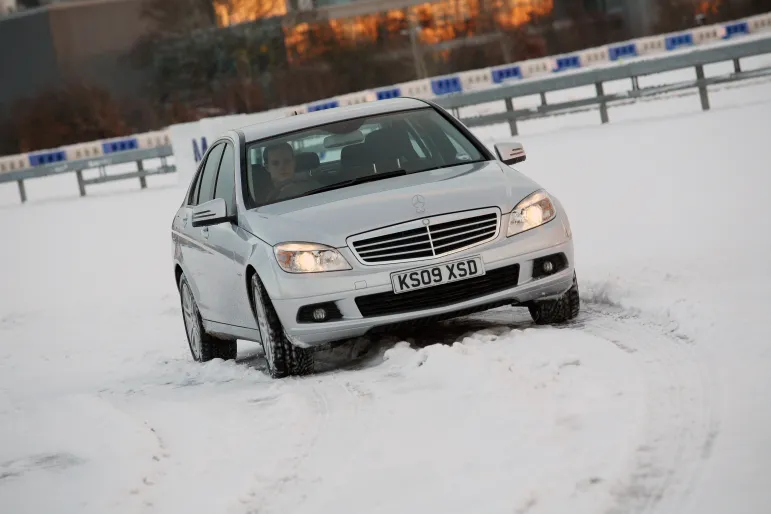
193 197
209 175
226 179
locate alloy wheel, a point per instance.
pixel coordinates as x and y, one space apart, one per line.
192 325
262 322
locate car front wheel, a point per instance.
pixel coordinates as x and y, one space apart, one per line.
560 310
283 358
203 347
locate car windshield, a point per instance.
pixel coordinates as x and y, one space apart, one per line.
352 151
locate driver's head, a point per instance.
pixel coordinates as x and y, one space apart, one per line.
279 161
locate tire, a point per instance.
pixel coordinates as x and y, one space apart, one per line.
283 358
561 310
203 346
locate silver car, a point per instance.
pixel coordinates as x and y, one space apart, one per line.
330 225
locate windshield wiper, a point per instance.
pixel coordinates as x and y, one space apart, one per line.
354 181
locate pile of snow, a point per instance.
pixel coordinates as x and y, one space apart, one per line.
654 400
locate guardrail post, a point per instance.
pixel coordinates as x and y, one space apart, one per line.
81 184
603 105
737 66
22 191
702 88
512 121
142 179
635 84
543 98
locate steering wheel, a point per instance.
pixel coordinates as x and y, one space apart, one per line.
280 189
277 191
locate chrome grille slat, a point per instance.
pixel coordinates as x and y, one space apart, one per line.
455 242
458 234
407 256
378 253
423 233
382 247
440 235
463 225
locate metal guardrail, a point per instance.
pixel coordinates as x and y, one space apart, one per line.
597 76
604 101
99 163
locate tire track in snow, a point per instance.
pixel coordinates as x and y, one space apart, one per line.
258 498
664 459
156 472
308 477
681 420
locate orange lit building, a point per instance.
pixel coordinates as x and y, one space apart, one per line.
427 22
431 22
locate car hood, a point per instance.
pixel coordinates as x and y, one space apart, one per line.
330 217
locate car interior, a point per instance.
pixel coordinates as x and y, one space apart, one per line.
387 146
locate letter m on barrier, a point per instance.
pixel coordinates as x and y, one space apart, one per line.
199 152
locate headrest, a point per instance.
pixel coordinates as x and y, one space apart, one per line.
384 136
390 143
352 155
257 179
305 161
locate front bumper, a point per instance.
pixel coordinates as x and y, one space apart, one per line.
342 288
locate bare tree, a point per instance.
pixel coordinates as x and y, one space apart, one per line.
70 113
207 53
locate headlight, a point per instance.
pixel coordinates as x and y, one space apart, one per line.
309 258
533 211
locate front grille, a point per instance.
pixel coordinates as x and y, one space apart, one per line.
428 241
382 304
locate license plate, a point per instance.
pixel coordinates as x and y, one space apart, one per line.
438 274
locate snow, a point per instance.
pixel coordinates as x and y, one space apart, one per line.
655 400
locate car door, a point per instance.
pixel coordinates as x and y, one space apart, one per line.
197 252
222 241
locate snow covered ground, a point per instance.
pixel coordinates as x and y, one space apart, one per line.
655 400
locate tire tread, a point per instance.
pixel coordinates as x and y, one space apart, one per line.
561 310
288 359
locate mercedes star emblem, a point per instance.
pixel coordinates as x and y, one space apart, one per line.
419 203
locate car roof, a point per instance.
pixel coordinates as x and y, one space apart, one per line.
275 127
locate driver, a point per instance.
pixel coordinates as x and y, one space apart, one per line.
280 181
280 163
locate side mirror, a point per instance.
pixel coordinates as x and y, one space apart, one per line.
209 213
510 153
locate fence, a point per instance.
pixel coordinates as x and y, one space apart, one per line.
78 166
596 77
594 66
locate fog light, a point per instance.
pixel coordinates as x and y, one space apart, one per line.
548 265
319 313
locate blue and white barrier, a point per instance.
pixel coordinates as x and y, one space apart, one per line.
81 151
190 140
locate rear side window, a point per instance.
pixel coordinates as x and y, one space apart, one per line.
209 175
226 188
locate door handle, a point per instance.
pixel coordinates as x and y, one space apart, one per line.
205 232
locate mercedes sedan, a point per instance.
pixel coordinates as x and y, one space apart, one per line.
330 225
